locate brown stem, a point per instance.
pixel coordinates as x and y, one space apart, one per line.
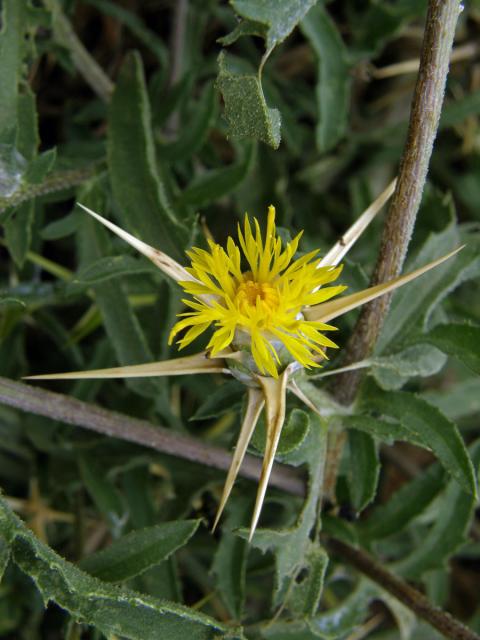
424 118
117 425
449 626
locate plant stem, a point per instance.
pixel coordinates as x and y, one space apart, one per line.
416 601
424 119
117 425
54 182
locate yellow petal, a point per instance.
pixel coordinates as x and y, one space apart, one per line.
274 390
255 402
199 363
349 238
330 310
166 264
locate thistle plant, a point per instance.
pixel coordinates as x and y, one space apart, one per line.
268 310
329 460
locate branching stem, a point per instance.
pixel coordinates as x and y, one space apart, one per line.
116 425
416 601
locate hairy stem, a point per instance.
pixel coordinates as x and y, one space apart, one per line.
424 118
54 182
117 425
416 601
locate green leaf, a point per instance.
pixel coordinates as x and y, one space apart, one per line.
63 227
136 186
121 323
193 136
448 532
461 341
277 17
388 431
139 550
291 545
40 167
458 401
4 555
6 300
224 399
109 267
412 306
333 83
405 505
103 493
230 561
305 596
427 422
213 185
338 621
393 371
18 228
11 53
363 469
246 111
112 610
294 432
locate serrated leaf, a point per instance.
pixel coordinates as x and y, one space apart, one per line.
448 532
427 422
333 82
122 612
405 504
461 341
213 185
277 17
363 469
139 550
131 159
305 596
393 371
222 400
246 111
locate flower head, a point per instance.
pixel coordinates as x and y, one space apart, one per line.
260 301
255 294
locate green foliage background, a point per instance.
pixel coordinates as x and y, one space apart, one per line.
172 128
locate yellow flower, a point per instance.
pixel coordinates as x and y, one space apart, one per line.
261 303
269 316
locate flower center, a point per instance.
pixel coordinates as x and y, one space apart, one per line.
250 291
